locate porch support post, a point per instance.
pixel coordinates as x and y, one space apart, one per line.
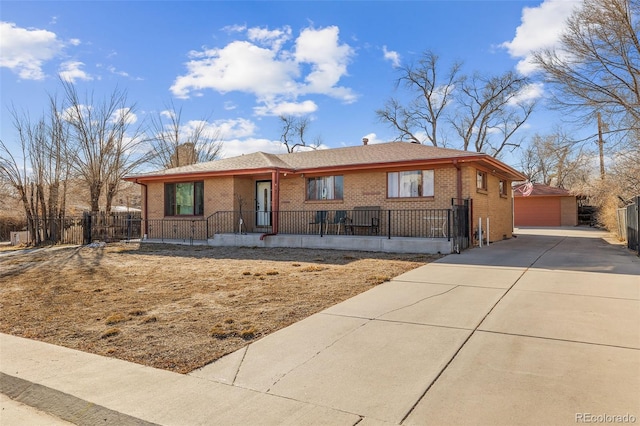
275 200
458 180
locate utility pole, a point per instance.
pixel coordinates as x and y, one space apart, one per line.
601 146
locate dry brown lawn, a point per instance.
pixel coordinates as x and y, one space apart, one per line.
177 307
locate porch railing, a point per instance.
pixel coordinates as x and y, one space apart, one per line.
419 223
177 229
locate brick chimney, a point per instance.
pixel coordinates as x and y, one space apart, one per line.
365 141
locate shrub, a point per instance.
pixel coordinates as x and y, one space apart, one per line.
248 333
218 331
150 319
313 268
115 319
110 333
378 279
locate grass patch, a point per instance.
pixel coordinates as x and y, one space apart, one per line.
220 332
110 332
248 333
115 319
150 319
378 279
313 268
181 308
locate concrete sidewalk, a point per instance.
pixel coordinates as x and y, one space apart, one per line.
539 329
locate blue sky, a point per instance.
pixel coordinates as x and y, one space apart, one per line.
243 63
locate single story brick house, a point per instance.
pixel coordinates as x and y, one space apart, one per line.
394 190
545 206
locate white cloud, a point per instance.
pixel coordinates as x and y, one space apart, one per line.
239 66
235 128
527 94
272 38
24 51
328 60
113 70
71 71
263 67
391 55
235 147
229 29
124 113
286 108
70 113
541 28
168 114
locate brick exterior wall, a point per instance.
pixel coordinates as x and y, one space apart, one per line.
489 204
365 188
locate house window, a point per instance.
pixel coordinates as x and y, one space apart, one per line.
417 183
481 180
184 199
503 188
325 188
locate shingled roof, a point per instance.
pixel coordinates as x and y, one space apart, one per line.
335 158
540 190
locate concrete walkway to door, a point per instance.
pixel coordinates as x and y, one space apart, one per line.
540 329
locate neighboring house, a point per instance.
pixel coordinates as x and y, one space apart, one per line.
406 189
545 206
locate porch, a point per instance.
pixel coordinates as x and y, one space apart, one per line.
336 242
365 228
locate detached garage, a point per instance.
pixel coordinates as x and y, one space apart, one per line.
545 206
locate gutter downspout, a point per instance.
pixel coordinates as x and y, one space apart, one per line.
275 204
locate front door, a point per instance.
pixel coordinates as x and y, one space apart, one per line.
263 203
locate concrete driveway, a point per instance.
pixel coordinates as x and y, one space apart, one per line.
540 329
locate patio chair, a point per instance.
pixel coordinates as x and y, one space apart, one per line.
320 218
339 218
437 227
366 218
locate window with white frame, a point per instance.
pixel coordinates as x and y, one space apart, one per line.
481 180
325 188
415 183
503 188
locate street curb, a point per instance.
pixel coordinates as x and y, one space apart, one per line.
62 405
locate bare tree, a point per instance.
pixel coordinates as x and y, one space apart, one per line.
490 111
294 133
555 160
175 144
485 112
39 179
103 151
596 68
48 151
14 170
418 121
125 155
